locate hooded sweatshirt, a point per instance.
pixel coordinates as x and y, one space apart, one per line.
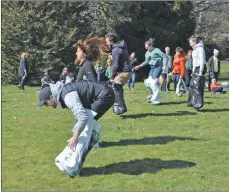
198 56
72 101
120 58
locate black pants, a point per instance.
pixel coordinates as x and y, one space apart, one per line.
104 102
164 81
100 106
188 77
119 104
218 90
216 75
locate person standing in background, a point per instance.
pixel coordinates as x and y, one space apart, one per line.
170 67
214 67
64 74
178 66
188 68
23 70
133 63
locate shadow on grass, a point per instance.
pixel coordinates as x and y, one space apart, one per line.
173 103
214 110
136 167
146 141
142 115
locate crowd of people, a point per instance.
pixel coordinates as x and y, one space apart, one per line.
89 92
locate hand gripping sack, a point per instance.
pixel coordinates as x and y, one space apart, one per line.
70 162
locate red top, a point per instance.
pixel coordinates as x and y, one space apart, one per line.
214 85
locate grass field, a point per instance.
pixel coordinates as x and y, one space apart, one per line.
224 68
165 147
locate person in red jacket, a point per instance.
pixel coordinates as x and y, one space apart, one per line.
178 66
216 87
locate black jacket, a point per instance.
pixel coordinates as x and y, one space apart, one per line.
120 56
87 69
211 64
88 91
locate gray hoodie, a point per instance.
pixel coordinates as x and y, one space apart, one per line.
72 101
198 56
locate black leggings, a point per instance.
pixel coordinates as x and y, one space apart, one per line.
104 102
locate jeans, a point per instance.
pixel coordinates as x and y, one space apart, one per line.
131 81
175 78
155 71
164 82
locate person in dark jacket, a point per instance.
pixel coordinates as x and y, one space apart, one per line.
86 70
78 97
64 74
121 71
23 70
214 67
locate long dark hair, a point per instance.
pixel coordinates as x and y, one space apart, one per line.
95 48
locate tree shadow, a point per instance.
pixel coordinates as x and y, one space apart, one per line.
214 110
146 141
136 167
142 115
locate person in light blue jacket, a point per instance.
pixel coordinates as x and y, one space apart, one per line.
158 62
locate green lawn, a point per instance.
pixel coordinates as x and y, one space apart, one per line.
224 68
165 147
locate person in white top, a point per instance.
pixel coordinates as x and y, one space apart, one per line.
196 89
198 56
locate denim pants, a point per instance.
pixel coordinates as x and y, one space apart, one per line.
131 81
155 71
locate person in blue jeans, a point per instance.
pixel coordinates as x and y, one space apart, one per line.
23 70
133 62
157 61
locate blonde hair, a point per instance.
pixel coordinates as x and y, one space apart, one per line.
24 55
